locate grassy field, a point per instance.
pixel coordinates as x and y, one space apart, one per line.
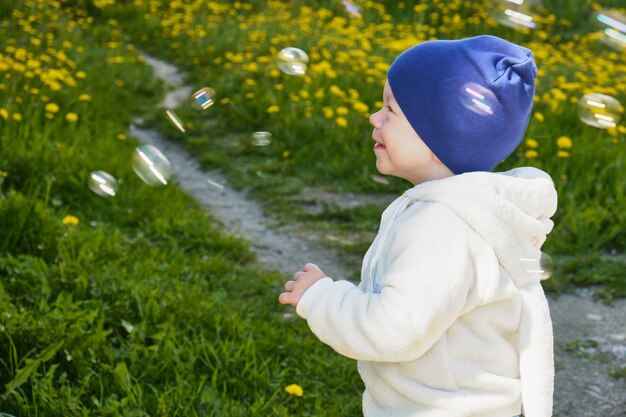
135 305
319 121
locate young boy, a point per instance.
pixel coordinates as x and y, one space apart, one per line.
449 319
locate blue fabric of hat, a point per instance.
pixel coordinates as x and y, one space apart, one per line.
429 82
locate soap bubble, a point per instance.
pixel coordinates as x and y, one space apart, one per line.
204 98
478 99
292 61
215 184
103 184
175 120
600 110
380 180
151 165
261 138
353 9
542 267
613 26
547 265
514 13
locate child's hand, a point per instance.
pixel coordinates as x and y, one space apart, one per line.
301 281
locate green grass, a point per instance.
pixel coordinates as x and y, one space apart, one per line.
582 348
142 308
620 373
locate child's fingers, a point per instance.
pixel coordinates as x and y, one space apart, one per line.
289 285
286 298
309 267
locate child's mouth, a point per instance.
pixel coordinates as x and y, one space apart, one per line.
379 146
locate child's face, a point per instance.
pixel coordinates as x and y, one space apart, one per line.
399 149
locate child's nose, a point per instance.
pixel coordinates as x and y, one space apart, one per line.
375 119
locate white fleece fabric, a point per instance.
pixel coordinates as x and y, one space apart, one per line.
450 319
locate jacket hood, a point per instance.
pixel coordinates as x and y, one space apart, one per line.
510 210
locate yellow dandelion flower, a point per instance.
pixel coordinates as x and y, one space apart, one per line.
81 75
328 112
531 153
121 136
71 117
52 108
84 97
17 117
273 109
278 87
564 142
532 143
249 96
294 389
337 91
250 82
286 154
341 122
4 113
70 220
225 100
360 107
621 129
538 116
342 110
562 154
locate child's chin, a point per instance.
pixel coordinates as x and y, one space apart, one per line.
380 167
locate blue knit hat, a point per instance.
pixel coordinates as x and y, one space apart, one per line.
469 100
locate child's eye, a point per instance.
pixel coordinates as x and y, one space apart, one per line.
389 108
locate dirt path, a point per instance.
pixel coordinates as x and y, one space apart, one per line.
583 387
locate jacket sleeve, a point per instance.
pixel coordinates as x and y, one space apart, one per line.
426 274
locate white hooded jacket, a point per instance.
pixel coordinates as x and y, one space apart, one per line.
450 319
